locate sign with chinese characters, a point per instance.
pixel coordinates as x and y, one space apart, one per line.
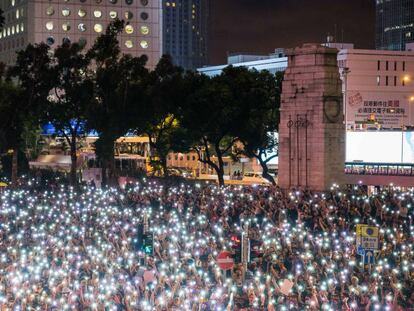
387 110
367 237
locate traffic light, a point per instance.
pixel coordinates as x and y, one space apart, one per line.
255 246
236 245
144 241
148 243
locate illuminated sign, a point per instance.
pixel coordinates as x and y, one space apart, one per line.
388 110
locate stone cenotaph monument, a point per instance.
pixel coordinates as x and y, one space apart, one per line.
311 129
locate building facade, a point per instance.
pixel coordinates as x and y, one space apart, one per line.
394 24
272 63
378 88
56 21
185 32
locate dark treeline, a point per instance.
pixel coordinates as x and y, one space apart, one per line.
101 89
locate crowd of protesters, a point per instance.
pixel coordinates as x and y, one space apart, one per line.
66 249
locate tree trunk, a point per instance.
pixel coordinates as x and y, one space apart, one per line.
163 161
73 163
15 159
111 170
265 171
104 148
220 170
104 172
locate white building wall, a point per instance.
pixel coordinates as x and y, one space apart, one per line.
379 88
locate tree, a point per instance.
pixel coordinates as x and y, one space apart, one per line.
11 125
257 136
32 76
115 74
160 117
212 115
70 97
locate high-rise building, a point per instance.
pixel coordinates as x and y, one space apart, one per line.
394 24
185 32
55 21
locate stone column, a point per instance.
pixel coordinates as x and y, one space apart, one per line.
311 130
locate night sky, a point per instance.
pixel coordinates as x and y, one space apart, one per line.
260 26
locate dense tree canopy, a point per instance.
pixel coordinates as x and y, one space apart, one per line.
31 76
71 95
110 115
232 114
160 115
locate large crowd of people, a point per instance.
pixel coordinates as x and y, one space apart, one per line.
67 249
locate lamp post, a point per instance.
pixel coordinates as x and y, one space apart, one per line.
410 102
345 72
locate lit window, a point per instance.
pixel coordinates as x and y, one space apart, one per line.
128 15
17 28
65 12
97 14
98 28
82 27
144 16
50 41
113 14
144 30
17 14
82 13
12 30
50 11
129 29
66 26
13 2
21 27
144 44
82 42
49 25
129 44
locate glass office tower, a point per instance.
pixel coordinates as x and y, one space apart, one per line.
185 32
394 24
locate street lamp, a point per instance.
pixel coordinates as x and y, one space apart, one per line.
345 72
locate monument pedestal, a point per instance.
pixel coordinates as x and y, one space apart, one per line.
311 129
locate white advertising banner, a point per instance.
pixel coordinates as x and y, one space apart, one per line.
389 110
380 147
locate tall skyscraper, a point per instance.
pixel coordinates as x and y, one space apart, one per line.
185 32
394 24
54 21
